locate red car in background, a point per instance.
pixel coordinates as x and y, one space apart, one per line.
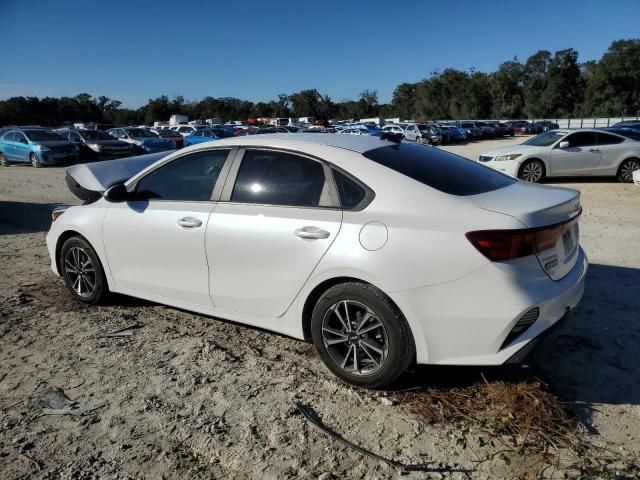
172 135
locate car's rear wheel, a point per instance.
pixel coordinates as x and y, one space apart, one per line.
3 160
625 172
361 336
35 162
82 271
532 171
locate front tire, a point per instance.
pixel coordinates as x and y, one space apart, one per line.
35 162
625 172
3 160
532 171
361 336
82 271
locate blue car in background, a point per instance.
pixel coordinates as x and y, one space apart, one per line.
207 135
38 146
144 140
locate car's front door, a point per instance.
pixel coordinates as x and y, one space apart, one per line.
264 242
581 157
155 243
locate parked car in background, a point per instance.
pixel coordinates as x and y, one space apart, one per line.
631 133
422 133
488 131
201 136
523 127
287 129
635 124
556 153
463 281
470 128
96 144
143 139
361 130
172 135
547 125
185 130
397 129
455 134
36 146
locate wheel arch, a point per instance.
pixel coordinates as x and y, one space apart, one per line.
66 235
315 294
545 168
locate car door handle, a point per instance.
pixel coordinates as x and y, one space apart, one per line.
311 233
190 222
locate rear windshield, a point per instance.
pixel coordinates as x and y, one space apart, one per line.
438 169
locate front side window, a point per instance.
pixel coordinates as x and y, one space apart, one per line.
279 178
188 178
581 139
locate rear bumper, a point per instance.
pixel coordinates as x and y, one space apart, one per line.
466 322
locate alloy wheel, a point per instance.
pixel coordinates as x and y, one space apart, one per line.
355 338
532 172
34 160
627 169
80 271
3 160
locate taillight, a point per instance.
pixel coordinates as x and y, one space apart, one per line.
500 245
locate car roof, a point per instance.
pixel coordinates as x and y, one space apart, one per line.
355 143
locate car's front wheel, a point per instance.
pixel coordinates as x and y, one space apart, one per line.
361 336
625 172
82 271
532 171
35 162
3 160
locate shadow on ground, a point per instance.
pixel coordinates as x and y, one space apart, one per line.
21 217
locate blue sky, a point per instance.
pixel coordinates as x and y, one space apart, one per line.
134 50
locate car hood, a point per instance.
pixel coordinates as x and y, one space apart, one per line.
87 181
508 149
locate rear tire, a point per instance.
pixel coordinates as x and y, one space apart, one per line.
626 169
82 271
361 336
532 171
34 161
3 160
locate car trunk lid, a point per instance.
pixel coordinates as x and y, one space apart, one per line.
550 214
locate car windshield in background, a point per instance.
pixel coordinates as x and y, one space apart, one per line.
438 169
627 132
43 136
467 125
140 133
90 135
545 139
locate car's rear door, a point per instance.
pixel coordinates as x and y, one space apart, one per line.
581 157
156 244
612 151
280 217
9 141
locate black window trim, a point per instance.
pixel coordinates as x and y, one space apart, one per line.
227 190
217 188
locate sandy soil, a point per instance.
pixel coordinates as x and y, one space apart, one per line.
191 397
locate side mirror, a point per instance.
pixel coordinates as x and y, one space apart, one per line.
563 145
116 193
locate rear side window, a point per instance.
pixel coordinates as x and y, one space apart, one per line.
606 139
279 178
190 178
438 169
351 194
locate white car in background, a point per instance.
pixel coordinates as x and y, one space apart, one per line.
185 130
393 129
381 253
593 152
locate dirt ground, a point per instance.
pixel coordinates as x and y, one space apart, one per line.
187 396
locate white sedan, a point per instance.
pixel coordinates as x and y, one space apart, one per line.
557 153
381 253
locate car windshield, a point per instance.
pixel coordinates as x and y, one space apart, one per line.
467 125
43 136
140 133
545 139
438 169
423 127
90 135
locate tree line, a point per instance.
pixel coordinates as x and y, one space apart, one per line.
546 85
